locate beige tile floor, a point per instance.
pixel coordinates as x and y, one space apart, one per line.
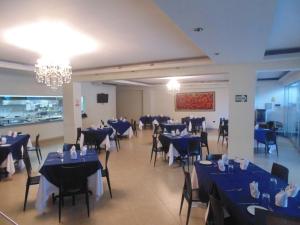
142 194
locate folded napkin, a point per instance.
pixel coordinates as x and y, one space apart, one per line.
84 150
15 134
225 159
177 132
244 163
148 115
292 190
281 199
254 189
3 140
9 133
221 165
173 133
73 152
184 132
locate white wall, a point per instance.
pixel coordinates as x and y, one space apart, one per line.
266 91
23 83
98 111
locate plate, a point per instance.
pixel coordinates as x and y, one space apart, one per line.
251 209
205 162
5 145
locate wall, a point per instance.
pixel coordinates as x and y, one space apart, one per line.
98 111
157 100
266 91
23 83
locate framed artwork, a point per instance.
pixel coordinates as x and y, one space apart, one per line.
195 101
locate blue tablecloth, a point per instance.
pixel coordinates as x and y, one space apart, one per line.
100 134
150 119
197 121
52 165
181 143
260 135
14 148
173 126
240 179
119 125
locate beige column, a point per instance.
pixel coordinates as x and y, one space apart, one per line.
72 111
242 81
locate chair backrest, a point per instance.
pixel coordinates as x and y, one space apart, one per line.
217 210
195 146
90 138
72 177
154 141
270 136
78 132
68 146
214 157
264 217
204 137
280 171
187 183
37 141
102 122
27 162
107 158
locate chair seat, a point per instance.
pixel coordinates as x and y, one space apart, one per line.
34 180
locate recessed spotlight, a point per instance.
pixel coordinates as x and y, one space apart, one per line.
198 29
217 53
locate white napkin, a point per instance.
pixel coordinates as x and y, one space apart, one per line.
254 189
3 140
184 132
177 132
9 133
292 190
148 115
244 163
221 165
281 199
225 159
173 133
15 134
84 150
73 152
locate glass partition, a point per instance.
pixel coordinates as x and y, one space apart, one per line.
19 110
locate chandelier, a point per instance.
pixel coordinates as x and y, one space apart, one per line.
53 72
173 85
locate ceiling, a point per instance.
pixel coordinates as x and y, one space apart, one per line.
128 31
271 75
143 31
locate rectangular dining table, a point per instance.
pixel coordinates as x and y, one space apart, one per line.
50 175
169 127
234 191
101 136
122 127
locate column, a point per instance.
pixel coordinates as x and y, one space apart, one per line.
242 81
72 111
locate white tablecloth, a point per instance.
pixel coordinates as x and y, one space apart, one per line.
171 153
141 125
46 189
8 163
128 132
105 143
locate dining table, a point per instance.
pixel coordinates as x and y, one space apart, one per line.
177 145
12 151
51 170
169 127
122 127
233 189
102 136
151 120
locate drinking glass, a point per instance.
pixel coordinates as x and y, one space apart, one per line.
265 200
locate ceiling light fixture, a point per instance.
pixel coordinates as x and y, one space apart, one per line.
173 85
56 43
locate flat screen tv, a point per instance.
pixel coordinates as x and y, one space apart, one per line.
102 98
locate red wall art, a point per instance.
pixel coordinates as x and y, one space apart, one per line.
199 101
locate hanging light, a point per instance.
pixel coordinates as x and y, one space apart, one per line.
53 72
173 85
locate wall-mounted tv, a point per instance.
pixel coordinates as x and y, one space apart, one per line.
102 98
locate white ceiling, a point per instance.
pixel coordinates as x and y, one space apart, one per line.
286 25
131 31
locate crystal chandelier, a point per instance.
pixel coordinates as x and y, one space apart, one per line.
173 85
53 72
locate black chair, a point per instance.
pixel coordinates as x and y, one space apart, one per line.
270 139
105 172
194 149
102 122
116 139
264 217
67 147
216 208
134 129
91 140
224 133
214 157
204 141
72 182
155 149
189 194
78 134
31 180
280 171
156 129
221 124
37 148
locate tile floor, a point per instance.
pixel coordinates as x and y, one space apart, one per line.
142 194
